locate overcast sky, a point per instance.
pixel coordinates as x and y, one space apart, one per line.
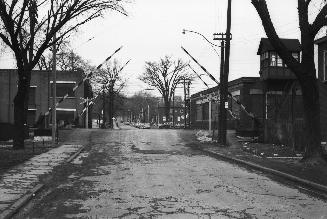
153 29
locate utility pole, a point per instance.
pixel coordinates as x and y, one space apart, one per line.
226 69
148 113
174 109
188 103
221 112
103 108
224 72
72 59
158 116
111 102
184 104
54 91
210 114
87 114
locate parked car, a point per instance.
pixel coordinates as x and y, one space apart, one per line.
145 126
166 125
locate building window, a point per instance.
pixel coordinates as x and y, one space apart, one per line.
64 88
279 61
266 55
205 111
296 56
273 59
31 114
264 59
325 65
65 116
198 112
31 96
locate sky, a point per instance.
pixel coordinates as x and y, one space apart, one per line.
153 29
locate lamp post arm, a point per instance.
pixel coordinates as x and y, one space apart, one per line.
208 41
191 31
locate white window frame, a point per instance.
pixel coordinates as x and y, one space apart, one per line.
66 109
64 82
273 59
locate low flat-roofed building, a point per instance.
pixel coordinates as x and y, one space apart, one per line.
40 96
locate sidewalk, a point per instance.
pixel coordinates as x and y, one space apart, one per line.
246 153
24 179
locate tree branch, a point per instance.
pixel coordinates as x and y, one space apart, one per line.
262 9
320 21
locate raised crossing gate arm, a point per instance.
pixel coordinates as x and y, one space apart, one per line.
229 94
81 82
198 76
241 106
203 68
101 90
232 114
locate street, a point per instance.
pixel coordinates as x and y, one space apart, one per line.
134 173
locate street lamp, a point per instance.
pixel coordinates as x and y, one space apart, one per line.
148 105
208 41
54 91
222 57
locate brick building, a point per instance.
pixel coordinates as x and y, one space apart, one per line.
275 99
248 90
40 96
322 77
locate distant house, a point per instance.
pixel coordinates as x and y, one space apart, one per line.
177 113
40 96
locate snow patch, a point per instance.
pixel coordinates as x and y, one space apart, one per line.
203 136
42 138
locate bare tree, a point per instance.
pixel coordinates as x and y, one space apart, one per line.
67 60
165 75
304 70
109 83
140 102
27 27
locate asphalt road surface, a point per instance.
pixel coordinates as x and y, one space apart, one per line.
156 174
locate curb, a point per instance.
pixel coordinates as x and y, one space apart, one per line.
75 154
14 208
8 213
296 179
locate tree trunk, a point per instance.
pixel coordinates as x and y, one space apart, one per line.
310 93
104 120
112 99
21 107
167 110
111 107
